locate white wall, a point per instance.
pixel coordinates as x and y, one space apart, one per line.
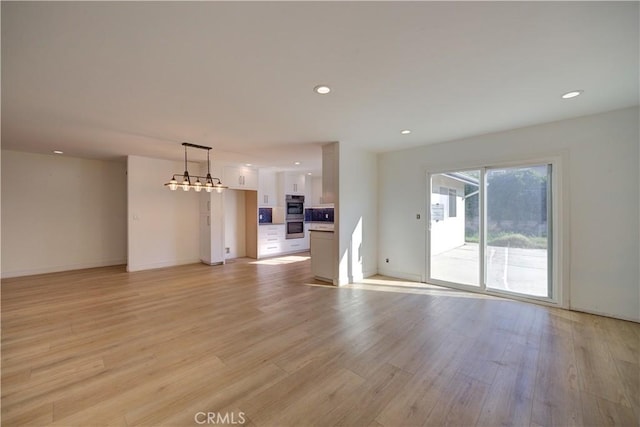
450 232
61 213
234 223
163 224
599 157
357 211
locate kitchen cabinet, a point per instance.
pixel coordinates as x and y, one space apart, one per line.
313 193
294 245
211 228
291 183
272 241
267 189
271 238
240 177
329 172
307 237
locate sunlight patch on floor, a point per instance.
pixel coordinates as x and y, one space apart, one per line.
281 260
384 284
318 285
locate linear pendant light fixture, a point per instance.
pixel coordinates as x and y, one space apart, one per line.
186 184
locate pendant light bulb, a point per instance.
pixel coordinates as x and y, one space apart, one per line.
198 186
186 181
173 184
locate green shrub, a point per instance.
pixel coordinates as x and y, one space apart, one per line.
472 239
539 242
514 240
511 240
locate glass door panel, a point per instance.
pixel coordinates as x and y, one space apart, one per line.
518 230
455 227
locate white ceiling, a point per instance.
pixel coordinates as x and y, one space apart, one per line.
107 79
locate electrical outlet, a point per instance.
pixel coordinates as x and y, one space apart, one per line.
417 216
227 250
387 260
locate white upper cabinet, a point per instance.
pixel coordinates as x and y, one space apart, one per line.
313 191
329 172
240 177
267 188
292 183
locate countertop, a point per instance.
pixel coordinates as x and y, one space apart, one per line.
322 226
271 223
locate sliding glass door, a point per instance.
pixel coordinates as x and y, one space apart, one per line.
490 229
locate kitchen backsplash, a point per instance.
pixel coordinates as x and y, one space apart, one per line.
273 215
318 215
265 215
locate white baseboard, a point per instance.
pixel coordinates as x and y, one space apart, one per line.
163 264
357 278
370 273
59 268
400 275
599 313
341 281
418 278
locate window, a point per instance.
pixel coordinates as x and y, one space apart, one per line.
448 201
452 203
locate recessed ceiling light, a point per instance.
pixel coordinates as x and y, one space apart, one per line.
58 152
248 164
322 89
308 173
572 94
296 163
405 132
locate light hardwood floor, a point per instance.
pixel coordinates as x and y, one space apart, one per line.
265 343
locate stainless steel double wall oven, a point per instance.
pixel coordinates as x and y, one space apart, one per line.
294 216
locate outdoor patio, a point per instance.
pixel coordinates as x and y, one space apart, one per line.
523 271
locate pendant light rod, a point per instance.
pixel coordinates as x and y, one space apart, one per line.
202 147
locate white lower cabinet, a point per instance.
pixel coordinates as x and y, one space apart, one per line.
294 245
269 249
307 236
272 241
